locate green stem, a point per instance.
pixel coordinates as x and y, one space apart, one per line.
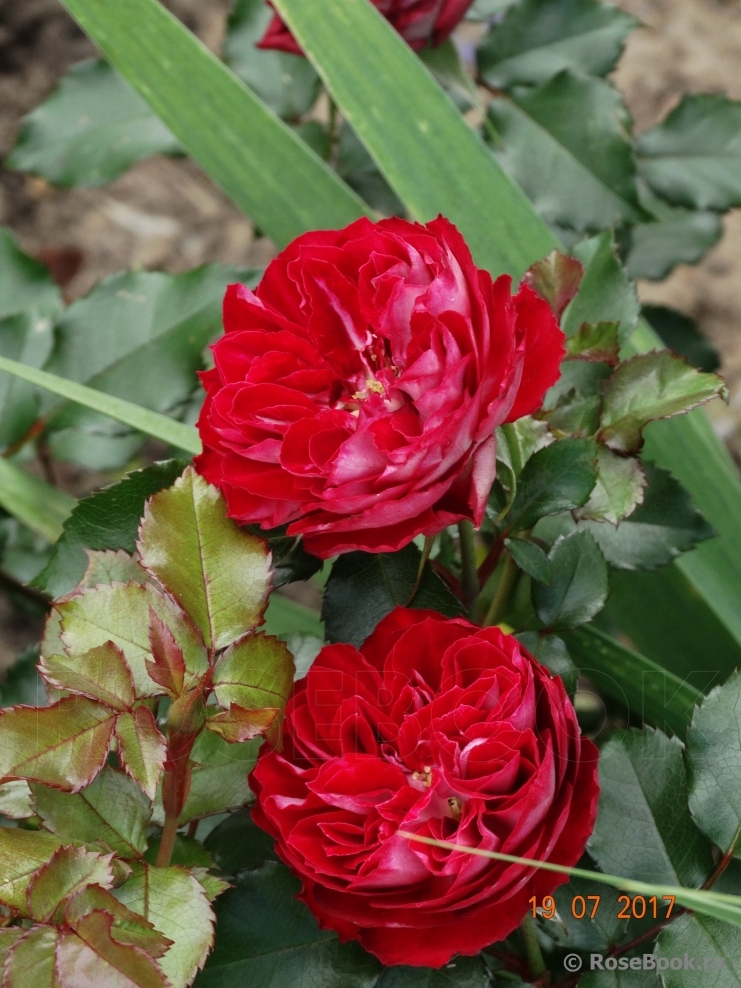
469 574
498 606
532 948
513 445
429 542
167 843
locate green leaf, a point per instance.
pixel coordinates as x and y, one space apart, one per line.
107 519
700 938
598 342
219 573
655 694
176 904
647 387
359 170
15 800
597 934
100 674
39 505
653 250
69 871
444 62
238 844
255 673
22 853
141 748
288 84
619 490
552 652
150 423
27 338
95 953
266 169
556 478
464 972
664 526
112 809
556 279
266 937
64 745
565 144
530 558
693 157
90 130
539 38
620 979
25 284
219 776
32 962
285 618
605 293
644 828
403 118
714 759
290 561
579 583
111 567
364 587
683 336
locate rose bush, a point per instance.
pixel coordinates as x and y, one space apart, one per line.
444 729
355 394
417 21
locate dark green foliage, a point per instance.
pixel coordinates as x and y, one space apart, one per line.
579 583
238 844
557 478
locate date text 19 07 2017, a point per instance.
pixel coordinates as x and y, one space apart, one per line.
636 907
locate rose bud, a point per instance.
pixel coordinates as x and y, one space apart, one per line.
356 392
417 21
446 730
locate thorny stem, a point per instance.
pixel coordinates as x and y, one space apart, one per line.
503 593
532 948
469 576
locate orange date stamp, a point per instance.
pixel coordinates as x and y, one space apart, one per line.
635 907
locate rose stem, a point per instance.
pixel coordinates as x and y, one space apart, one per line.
532 948
503 592
469 575
429 542
167 843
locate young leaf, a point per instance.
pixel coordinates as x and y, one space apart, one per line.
579 583
557 478
606 294
69 871
32 961
256 674
555 279
565 144
128 927
22 853
644 828
693 157
219 573
167 666
40 506
142 748
112 809
288 84
619 489
90 130
108 567
714 760
64 745
264 936
599 342
664 526
237 724
539 38
530 558
176 904
100 674
91 953
107 519
363 587
651 386
218 776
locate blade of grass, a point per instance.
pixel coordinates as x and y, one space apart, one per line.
153 424
37 504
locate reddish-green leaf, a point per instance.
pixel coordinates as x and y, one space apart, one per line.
238 724
9 937
219 573
112 809
621 481
141 748
64 745
108 567
15 800
175 902
168 665
22 853
597 342
100 673
556 279
92 955
70 870
128 927
651 386
31 962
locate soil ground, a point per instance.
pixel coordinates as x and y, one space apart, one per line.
165 214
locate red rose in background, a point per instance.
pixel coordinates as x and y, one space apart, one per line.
444 729
417 21
356 393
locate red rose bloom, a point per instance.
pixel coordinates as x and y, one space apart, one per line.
417 21
444 729
356 393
